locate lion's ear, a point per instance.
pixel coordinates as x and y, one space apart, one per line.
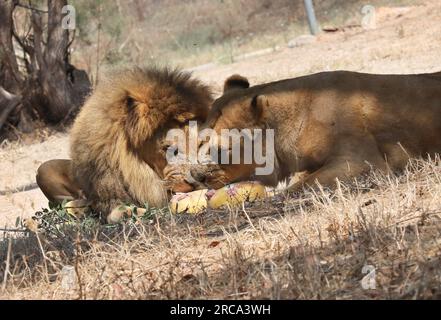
258 104
183 117
236 81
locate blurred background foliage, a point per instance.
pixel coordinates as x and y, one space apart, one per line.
194 32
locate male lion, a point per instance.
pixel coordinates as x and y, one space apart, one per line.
329 125
118 145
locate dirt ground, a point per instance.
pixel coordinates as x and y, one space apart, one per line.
406 40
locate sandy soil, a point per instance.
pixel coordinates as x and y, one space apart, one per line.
406 40
18 167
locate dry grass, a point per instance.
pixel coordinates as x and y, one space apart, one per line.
311 247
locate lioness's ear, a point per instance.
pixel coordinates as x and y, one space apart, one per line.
184 117
236 81
258 104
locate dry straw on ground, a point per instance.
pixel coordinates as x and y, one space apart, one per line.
313 246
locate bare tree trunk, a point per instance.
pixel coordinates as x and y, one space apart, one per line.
9 74
57 89
50 86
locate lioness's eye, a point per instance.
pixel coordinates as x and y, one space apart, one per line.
165 146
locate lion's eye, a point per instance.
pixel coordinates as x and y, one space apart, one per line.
170 150
165 147
130 102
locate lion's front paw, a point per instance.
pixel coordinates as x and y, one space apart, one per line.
123 211
77 208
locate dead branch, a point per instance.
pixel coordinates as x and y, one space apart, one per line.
30 8
12 101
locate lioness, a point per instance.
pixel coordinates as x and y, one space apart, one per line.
118 140
329 125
